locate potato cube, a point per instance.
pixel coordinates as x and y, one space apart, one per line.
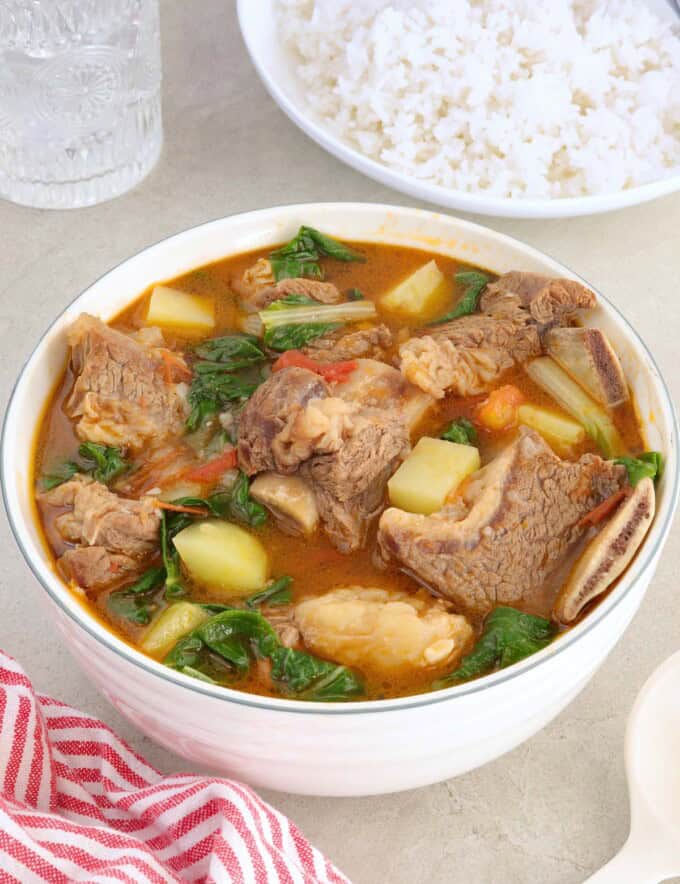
431 472
420 295
559 431
226 558
173 623
170 307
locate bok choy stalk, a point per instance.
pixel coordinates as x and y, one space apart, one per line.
545 372
293 321
351 311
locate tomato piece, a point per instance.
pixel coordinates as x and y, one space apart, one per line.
329 371
213 469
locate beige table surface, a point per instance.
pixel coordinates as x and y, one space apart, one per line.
555 808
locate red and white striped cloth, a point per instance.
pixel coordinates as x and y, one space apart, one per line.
77 804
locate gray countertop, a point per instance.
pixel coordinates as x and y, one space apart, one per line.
554 809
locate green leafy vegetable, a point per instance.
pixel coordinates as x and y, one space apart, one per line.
172 524
331 247
356 295
231 352
300 257
649 464
293 337
291 300
241 506
474 283
237 636
211 392
226 374
107 463
461 431
281 313
60 474
508 636
135 602
235 504
102 462
277 593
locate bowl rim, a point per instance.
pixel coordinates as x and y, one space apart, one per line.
78 613
500 207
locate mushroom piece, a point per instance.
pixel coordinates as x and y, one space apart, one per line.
587 355
290 500
608 553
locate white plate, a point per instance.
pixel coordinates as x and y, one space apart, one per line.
274 65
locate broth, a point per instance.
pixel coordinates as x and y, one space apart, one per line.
315 565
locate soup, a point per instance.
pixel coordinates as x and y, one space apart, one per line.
341 471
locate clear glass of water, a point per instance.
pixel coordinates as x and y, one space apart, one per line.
80 103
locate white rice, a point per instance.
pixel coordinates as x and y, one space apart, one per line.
508 98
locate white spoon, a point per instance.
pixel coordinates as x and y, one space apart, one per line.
652 751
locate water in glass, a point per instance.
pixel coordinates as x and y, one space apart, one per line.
80 108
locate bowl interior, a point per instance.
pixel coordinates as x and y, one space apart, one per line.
218 239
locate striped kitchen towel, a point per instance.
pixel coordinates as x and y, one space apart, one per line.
77 804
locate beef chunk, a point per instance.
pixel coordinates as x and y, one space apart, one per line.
509 529
94 567
338 346
120 396
548 301
257 288
113 534
273 407
344 450
350 481
466 357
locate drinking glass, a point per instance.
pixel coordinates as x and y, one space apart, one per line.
80 105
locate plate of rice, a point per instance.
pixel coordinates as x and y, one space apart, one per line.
516 108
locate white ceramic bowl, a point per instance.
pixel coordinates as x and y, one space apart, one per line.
276 69
352 748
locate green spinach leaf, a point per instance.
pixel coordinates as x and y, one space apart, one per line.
649 464
61 473
102 462
294 337
106 462
231 352
277 593
237 635
461 431
508 636
211 391
474 283
136 602
300 257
